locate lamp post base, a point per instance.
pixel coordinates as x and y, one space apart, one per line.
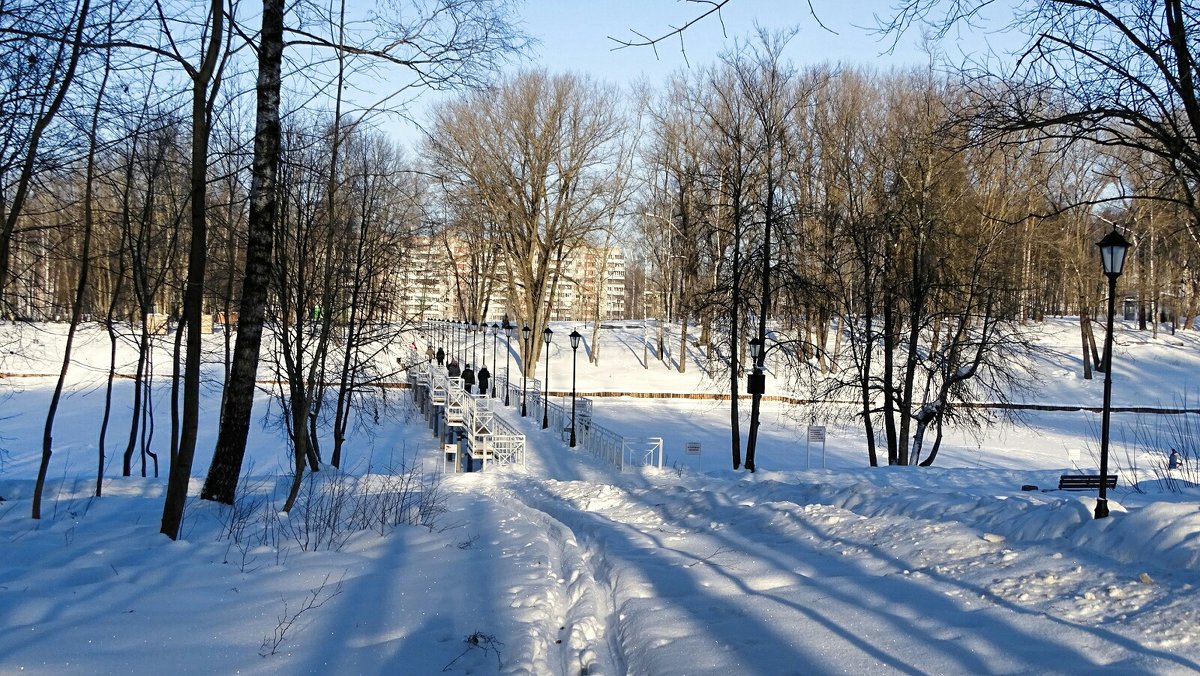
1101 508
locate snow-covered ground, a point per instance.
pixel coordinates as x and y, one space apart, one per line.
570 566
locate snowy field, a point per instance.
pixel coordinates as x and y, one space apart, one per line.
813 565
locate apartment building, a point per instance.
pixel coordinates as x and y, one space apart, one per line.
435 282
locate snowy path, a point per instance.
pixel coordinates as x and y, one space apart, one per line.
660 574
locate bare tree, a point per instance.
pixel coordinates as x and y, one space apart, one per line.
81 287
226 465
917 273
1112 74
442 44
205 76
729 127
768 83
543 153
49 43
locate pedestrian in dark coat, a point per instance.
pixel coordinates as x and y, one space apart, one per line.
453 369
468 377
485 376
441 356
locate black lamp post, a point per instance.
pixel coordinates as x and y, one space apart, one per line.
547 334
1112 256
756 382
525 331
495 335
474 333
510 332
575 336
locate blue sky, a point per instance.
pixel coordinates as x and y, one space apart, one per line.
574 35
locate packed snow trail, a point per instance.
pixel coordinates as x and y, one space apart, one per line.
659 574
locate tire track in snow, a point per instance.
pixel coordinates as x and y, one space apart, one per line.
675 564
579 597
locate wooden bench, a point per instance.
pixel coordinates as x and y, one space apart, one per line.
1084 482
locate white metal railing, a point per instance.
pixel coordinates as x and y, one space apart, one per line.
437 386
508 445
641 451
602 443
479 423
479 413
559 415
454 401
491 438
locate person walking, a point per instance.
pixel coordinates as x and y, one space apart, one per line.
429 353
453 369
441 356
485 376
468 377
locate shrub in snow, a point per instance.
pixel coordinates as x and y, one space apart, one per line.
332 507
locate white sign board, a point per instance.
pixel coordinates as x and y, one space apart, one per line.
816 434
692 448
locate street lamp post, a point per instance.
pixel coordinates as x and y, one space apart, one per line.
495 335
474 327
575 336
525 331
510 332
756 385
756 382
1112 256
547 334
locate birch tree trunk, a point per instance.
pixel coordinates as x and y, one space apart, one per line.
223 474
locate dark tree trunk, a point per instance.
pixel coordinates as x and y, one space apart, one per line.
889 375
222 480
136 418
193 298
1084 325
764 308
175 354
112 361
735 442
85 256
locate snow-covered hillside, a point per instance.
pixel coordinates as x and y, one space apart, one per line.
812 565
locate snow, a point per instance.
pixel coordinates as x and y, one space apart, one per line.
812 565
